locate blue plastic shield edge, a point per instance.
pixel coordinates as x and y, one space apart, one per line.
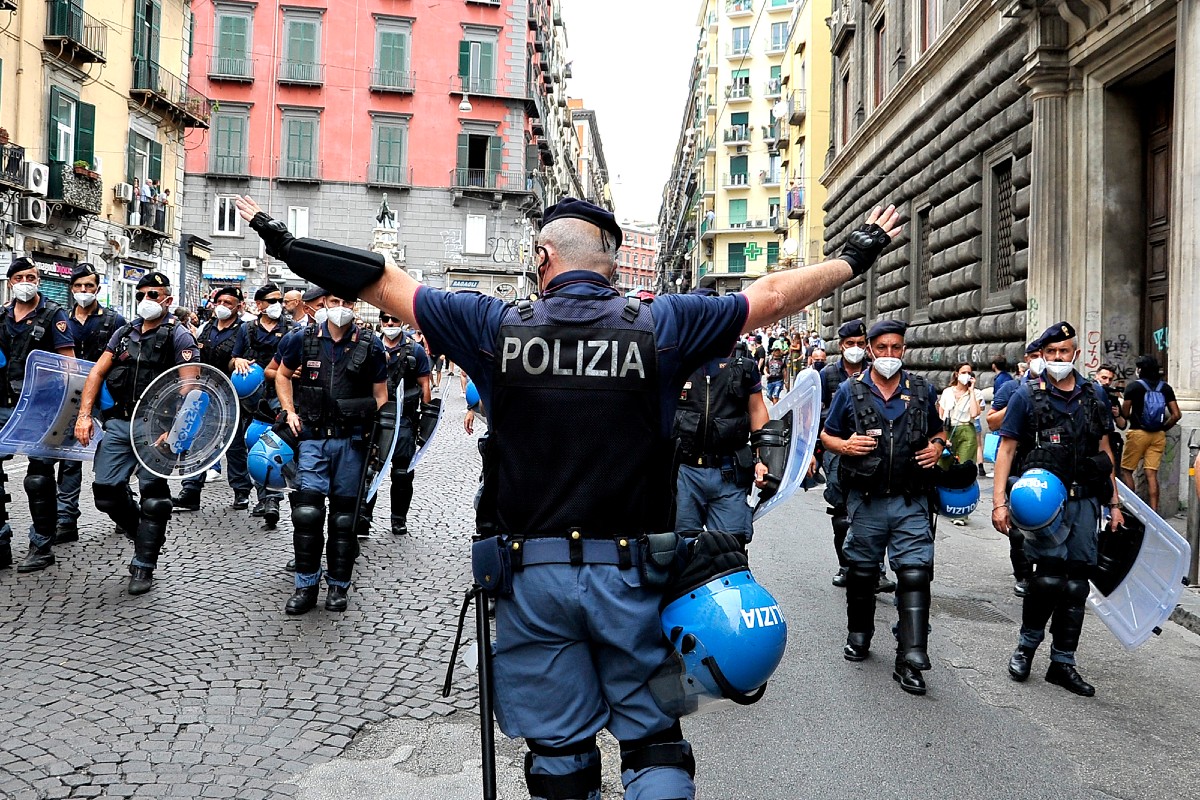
42 424
1149 593
417 456
803 402
181 425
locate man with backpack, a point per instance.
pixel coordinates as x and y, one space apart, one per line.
776 369
1151 410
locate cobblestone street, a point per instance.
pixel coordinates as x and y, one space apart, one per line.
203 687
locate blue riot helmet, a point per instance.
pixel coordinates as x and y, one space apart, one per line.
248 384
729 635
254 432
1036 503
472 395
3 360
272 460
106 398
958 502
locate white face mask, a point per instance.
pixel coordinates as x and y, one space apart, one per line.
320 316
964 379
854 355
392 333
340 316
25 292
274 311
149 310
1059 370
222 313
84 299
1037 365
887 367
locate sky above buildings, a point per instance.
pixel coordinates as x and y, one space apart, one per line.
630 61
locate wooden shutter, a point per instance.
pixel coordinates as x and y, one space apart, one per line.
52 153
487 67
141 45
155 161
131 175
464 59
495 157
155 29
85 133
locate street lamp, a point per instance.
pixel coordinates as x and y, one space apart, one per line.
465 105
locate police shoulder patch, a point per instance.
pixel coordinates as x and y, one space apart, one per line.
61 325
187 355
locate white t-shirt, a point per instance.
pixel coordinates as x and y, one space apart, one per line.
957 409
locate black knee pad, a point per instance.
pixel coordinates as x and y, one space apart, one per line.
308 511
840 519
1050 567
156 508
113 498
39 485
303 497
913 579
667 748
1075 592
156 488
578 785
341 514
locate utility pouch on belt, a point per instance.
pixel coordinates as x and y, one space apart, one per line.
1095 475
660 558
357 410
491 567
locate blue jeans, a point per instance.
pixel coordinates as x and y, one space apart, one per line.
70 483
893 525
708 500
334 468
574 649
774 389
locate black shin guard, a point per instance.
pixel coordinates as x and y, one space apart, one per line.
912 601
1067 622
308 536
860 598
1016 555
43 498
117 502
1046 587
342 547
402 494
841 527
152 524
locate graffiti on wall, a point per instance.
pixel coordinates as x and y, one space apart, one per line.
504 251
452 244
1092 343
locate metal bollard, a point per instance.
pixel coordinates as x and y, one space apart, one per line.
1193 515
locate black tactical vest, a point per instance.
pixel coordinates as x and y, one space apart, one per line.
321 383
218 355
402 366
576 442
91 346
832 376
890 468
265 343
137 364
1065 442
36 333
713 414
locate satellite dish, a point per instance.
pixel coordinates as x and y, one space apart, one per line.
779 110
790 247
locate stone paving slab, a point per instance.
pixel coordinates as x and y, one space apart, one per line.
203 687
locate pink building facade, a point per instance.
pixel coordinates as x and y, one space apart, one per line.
638 257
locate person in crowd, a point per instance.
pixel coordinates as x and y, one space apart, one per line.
1152 410
959 407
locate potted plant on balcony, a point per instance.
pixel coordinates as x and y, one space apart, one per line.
83 169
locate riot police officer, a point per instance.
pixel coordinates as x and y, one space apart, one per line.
852 341
91 325
408 364
332 379
138 353
1059 422
30 322
884 425
216 343
257 342
578 634
720 405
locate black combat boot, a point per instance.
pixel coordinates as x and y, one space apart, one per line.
302 600
336 600
1064 675
399 526
909 677
187 500
140 579
66 532
1020 663
271 512
241 501
38 558
5 555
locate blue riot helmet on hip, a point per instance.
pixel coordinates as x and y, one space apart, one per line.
728 632
248 384
255 431
1036 503
106 399
957 489
472 395
272 459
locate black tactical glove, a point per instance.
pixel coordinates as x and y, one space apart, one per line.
864 246
274 233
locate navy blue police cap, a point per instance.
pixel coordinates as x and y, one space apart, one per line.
1034 346
574 208
887 326
264 290
84 270
853 328
153 280
232 291
19 265
1058 332
315 293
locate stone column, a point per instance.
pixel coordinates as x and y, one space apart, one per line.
1184 353
1046 76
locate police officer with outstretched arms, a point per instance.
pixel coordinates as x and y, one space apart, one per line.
885 427
578 623
1057 422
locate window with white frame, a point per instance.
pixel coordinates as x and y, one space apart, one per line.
297 221
226 221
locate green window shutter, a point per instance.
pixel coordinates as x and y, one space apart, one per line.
390 51
130 161
495 158
741 73
776 72
155 161
738 165
772 253
464 151
155 30
487 61
737 257
52 153
85 133
232 32
737 212
302 41
739 118
141 42
464 59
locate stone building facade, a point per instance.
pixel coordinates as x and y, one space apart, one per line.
1035 151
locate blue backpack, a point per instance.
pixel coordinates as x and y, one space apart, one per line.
1154 408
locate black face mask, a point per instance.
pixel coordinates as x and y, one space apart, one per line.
818 365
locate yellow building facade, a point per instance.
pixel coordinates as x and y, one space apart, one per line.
96 112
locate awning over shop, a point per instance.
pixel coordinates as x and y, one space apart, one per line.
225 276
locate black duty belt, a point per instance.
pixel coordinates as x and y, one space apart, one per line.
711 461
619 551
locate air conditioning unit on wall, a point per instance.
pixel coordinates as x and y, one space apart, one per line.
275 272
33 211
36 178
249 264
123 192
119 244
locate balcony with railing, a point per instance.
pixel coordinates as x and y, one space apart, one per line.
77 188
167 92
736 180
738 92
151 220
486 86
777 221
774 87
737 134
739 8
237 69
238 166
499 180
392 80
797 107
297 170
396 176
795 203
737 49
301 73
12 166
769 177
708 227
776 6
73 34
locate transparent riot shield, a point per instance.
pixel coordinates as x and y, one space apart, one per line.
42 424
1141 573
185 420
799 416
427 427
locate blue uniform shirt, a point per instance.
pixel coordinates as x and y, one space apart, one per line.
291 352
182 341
840 422
424 366
242 345
58 324
1003 395
1002 378
82 331
689 330
1020 407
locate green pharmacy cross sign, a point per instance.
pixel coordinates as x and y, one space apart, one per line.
753 251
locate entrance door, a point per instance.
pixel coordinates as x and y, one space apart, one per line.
1156 122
